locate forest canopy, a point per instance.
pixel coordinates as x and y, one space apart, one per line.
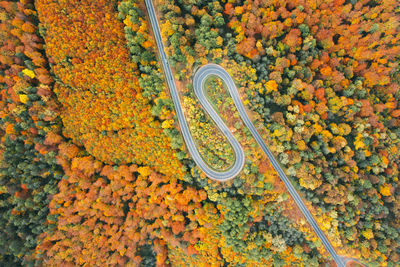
94 170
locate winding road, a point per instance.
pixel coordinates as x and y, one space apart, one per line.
198 82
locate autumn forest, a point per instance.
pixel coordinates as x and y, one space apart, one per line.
94 170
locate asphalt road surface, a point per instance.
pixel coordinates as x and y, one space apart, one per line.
198 82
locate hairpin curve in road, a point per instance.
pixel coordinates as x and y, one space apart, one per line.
198 83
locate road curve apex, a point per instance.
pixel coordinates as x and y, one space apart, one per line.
198 84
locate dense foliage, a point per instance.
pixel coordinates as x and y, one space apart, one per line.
28 128
211 143
103 105
108 213
326 88
94 171
336 66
